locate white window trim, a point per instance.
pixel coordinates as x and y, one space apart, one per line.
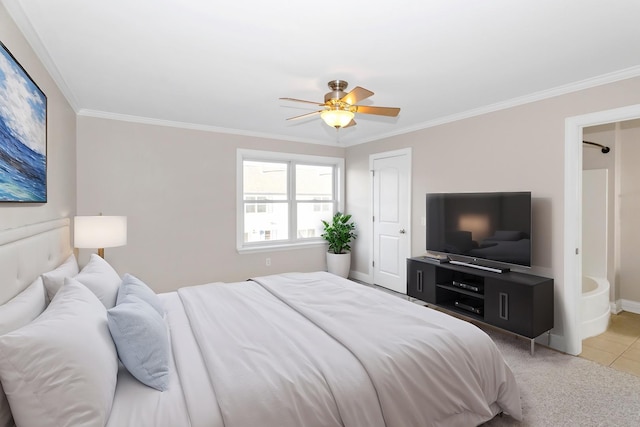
258 155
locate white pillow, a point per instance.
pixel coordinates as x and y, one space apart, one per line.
54 279
101 279
23 308
16 313
61 369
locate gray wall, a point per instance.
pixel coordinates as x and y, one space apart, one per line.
178 189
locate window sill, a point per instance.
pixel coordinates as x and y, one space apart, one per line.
280 247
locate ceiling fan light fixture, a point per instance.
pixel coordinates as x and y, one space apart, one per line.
337 118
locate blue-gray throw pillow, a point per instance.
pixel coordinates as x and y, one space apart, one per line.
142 341
132 286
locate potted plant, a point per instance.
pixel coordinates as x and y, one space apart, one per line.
339 233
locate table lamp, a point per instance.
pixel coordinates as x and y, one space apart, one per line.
100 232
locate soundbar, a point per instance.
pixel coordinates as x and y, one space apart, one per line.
479 267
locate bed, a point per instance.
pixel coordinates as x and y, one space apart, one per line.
295 349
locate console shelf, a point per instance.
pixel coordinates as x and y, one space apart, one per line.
461 291
516 302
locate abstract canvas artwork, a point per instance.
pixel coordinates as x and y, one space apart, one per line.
23 134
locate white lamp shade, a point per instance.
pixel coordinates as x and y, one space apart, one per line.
99 231
337 118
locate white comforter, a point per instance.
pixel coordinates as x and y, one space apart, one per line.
312 349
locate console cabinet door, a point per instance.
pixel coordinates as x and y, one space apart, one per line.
508 305
421 280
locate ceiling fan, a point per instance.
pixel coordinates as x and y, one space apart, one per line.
339 108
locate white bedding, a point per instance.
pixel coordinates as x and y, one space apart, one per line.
191 404
313 349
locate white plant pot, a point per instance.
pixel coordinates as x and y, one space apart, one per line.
339 264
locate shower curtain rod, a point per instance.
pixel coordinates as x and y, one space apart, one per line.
604 148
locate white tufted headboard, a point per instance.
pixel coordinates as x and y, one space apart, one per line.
28 251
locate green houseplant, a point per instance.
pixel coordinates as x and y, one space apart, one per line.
339 233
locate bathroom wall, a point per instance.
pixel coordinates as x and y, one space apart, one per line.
629 273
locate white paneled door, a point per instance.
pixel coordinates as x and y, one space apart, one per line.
391 207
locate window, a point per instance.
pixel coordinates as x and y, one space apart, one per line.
282 198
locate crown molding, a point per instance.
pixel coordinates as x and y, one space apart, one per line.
527 99
194 126
514 102
604 79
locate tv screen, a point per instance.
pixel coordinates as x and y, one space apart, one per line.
483 228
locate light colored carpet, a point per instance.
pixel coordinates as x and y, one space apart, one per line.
561 390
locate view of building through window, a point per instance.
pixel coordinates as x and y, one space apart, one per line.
286 200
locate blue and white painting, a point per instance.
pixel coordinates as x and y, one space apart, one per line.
23 134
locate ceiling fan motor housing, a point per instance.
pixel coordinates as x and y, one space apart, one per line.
337 90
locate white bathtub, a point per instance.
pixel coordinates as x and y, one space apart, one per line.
594 306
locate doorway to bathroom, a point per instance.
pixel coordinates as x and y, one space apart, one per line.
625 122
610 302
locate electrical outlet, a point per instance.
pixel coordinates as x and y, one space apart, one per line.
268 262
423 221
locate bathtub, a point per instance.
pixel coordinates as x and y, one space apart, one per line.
594 306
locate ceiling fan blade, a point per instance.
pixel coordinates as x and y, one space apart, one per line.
356 95
380 111
351 123
305 115
302 100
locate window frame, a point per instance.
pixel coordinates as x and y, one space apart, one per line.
292 160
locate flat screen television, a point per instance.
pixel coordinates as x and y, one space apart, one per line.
482 229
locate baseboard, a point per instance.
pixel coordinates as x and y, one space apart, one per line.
631 306
363 277
616 307
554 341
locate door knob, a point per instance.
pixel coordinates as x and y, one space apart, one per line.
402 231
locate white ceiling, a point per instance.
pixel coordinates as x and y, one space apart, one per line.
223 65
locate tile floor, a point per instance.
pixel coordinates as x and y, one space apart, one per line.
619 346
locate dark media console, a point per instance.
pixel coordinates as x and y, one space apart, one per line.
516 302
